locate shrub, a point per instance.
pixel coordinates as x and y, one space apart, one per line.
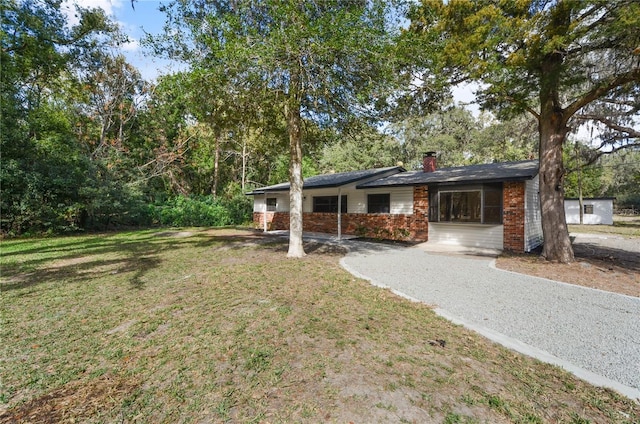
240 208
202 211
628 201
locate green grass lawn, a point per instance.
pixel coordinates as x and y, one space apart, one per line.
218 326
624 226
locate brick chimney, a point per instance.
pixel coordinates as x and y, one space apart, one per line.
429 162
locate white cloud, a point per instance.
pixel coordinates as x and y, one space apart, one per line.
69 8
131 46
110 7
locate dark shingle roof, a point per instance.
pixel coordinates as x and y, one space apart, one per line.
332 180
485 173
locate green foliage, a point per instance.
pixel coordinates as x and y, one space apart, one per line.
460 139
588 179
183 211
202 211
581 178
47 170
612 175
238 205
280 168
364 147
628 201
533 56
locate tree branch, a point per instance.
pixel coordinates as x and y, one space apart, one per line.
599 91
599 153
632 132
524 106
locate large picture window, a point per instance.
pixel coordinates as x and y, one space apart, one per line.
329 204
379 203
479 204
460 206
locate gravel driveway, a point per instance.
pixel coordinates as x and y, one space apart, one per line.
594 334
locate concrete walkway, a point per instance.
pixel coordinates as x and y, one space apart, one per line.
591 333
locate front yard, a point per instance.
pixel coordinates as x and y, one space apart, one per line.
218 326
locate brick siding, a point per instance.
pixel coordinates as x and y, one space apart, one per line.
513 216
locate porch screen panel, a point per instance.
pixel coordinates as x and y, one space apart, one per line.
492 204
272 203
433 205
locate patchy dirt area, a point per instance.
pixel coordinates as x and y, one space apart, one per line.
610 263
77 399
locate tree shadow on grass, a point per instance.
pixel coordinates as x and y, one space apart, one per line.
84 259
628 223
90 257
77 272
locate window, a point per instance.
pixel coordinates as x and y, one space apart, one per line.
460 206
588 209
271 204
379 203
329 204
479 204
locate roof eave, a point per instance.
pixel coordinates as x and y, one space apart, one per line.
449 182
399 169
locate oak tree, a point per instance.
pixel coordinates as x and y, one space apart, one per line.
318 61
565 62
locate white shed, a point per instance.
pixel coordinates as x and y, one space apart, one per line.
595 211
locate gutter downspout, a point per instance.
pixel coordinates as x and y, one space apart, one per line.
339 213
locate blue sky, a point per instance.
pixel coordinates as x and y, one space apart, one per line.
134 21
143 17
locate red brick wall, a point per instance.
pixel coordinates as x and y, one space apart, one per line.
275 220
513 216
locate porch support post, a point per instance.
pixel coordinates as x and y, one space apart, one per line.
339 214
264 213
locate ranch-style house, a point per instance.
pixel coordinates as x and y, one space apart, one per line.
494 206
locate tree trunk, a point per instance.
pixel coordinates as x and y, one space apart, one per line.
294 121
557 245
553 132
579 167
216 167
244 164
